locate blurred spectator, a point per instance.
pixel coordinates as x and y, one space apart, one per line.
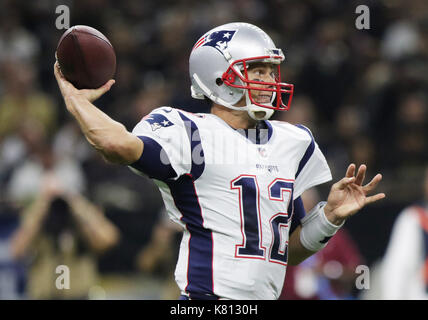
159 256
156 92
401 39
351 142
12 272
15 41
59 228
411 127
27 179
327 275
22 100
69 143
404 269
302 112
133 205
363 151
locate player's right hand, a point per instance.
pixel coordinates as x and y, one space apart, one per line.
68 90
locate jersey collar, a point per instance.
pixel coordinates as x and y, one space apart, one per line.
260 135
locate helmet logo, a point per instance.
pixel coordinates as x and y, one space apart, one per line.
218 40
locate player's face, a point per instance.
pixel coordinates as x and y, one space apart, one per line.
264 72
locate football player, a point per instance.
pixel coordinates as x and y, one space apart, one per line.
231 178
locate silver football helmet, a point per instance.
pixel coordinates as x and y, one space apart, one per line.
218 69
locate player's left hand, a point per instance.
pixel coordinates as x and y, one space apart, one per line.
348 195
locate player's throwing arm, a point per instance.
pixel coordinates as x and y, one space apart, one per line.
107 136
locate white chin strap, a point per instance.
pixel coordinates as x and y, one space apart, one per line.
259 113
255 112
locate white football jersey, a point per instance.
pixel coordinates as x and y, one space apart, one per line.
232 191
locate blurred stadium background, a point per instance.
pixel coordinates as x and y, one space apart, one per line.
363 93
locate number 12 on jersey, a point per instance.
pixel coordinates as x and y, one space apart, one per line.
251 226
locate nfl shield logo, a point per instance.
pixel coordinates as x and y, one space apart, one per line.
262 152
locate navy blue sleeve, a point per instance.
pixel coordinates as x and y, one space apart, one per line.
299 213
154 161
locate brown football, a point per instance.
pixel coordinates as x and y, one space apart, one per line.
86 57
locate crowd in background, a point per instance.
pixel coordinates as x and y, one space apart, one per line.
363 93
